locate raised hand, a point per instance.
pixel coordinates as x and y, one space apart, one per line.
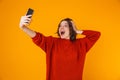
75 28
25 21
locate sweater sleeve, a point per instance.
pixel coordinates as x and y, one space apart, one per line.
90 38
45 43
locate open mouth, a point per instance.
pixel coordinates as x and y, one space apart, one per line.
62 32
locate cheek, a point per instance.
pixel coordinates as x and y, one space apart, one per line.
67 31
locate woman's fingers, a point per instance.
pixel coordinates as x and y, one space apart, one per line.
28 16
74 26
25 21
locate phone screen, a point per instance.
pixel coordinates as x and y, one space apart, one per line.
30 12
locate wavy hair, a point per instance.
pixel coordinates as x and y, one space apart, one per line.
71 30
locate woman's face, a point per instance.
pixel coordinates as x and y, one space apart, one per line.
64 30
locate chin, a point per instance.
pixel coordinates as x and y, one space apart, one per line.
62 37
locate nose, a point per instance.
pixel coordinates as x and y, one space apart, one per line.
61 27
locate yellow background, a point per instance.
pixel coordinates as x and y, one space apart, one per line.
21 59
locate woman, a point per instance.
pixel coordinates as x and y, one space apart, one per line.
65 55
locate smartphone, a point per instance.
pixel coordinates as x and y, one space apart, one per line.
30 12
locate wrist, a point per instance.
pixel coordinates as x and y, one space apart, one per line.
23 27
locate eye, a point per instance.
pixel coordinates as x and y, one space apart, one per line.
66 25
60 26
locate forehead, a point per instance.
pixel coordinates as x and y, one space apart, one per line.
64 22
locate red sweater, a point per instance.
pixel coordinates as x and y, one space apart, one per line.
64 58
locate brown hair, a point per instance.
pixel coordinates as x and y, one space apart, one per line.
72 31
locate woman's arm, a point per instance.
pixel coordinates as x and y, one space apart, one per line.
24 23
45 43
90 36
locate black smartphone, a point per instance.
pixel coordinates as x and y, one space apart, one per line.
30 12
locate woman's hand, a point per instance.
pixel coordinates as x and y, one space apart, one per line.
25 21
76 30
